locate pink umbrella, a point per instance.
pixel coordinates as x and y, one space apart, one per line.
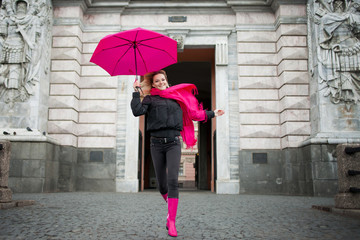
133 52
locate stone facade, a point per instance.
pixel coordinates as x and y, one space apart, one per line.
284 113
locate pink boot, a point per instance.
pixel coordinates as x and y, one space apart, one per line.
172 207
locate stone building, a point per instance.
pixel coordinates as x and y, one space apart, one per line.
286 72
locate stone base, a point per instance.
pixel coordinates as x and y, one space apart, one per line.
5 195
347 200
20 203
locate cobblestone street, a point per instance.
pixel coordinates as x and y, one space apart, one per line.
201 215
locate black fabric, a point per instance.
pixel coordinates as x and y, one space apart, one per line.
162 114
166 158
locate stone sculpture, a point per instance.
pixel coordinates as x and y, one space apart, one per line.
339 50
22 27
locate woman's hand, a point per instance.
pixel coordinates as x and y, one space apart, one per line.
218 112
136 85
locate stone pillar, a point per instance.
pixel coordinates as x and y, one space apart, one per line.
5 192
348 158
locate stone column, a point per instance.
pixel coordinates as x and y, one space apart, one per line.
348 158
5 192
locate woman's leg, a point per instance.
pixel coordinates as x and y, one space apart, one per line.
159 161
173 156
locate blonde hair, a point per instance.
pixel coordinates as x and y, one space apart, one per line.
146 84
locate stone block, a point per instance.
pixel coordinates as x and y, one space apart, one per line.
96 129
295 115
292 141
258 94
5 153
295 128
5 195
257 36
94 36
259 118
68 12
62 127
66 54
65 90
93 71
97 142
295 102
65 77
259 107
65 139
347 162
257 59
98 94
259 131
347 200
255 18
33 168
291 41
294 78
292 53
23 203
15 168
260 143
95 185
102 19
63 114
98 82
97 117
292 65
7 205
259 82
65 65
89 48
291 10
256 71
291 29
251 47
64 102
68 30
67 42
98 105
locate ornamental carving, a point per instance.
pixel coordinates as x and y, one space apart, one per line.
24 26
339 49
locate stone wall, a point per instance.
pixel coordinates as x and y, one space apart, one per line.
34 167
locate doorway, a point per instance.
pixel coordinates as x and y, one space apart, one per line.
197 167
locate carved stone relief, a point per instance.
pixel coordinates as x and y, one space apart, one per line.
24 26
338 51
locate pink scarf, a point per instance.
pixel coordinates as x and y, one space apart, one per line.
184 94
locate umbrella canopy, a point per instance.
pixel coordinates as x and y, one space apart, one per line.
135 52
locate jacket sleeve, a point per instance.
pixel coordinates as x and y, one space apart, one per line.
210 114
139 108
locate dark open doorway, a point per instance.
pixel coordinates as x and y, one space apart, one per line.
197 166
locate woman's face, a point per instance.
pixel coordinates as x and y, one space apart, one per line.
159 82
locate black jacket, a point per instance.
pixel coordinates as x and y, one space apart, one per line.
164 116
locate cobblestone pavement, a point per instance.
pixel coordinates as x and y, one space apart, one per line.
201 215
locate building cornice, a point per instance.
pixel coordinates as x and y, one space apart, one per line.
176 6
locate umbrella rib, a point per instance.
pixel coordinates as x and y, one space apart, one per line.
142 59
129 44
158 49
123 39
120 60
150 39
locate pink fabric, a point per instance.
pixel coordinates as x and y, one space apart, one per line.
184 94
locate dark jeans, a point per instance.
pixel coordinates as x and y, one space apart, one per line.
166 159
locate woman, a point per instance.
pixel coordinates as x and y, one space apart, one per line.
170 112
